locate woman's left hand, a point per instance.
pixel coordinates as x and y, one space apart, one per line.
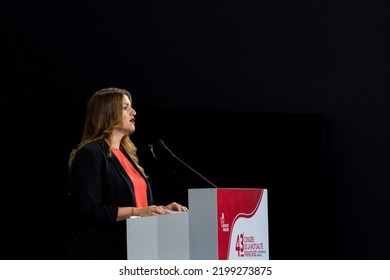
174 206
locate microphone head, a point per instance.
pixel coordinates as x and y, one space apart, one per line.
161 143
150 147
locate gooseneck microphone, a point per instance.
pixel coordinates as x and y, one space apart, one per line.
162 145
150 147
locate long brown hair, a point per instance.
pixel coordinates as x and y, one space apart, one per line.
104 112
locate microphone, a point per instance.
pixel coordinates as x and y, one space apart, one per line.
150 147
162 144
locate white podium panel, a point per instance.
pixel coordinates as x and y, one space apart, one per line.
164 237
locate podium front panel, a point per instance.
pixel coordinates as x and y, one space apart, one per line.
202 224
163 237
243 224
142 242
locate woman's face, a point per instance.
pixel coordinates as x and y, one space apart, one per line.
128 116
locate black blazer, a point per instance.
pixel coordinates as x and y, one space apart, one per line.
99 185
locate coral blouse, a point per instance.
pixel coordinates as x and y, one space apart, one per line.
139 183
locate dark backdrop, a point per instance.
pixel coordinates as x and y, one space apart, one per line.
289 96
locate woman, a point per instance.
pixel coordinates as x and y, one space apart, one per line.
108 185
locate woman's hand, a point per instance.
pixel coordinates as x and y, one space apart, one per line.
152 210
174 206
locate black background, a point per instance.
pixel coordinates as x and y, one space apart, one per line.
284 95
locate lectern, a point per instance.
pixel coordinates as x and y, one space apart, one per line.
222 224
